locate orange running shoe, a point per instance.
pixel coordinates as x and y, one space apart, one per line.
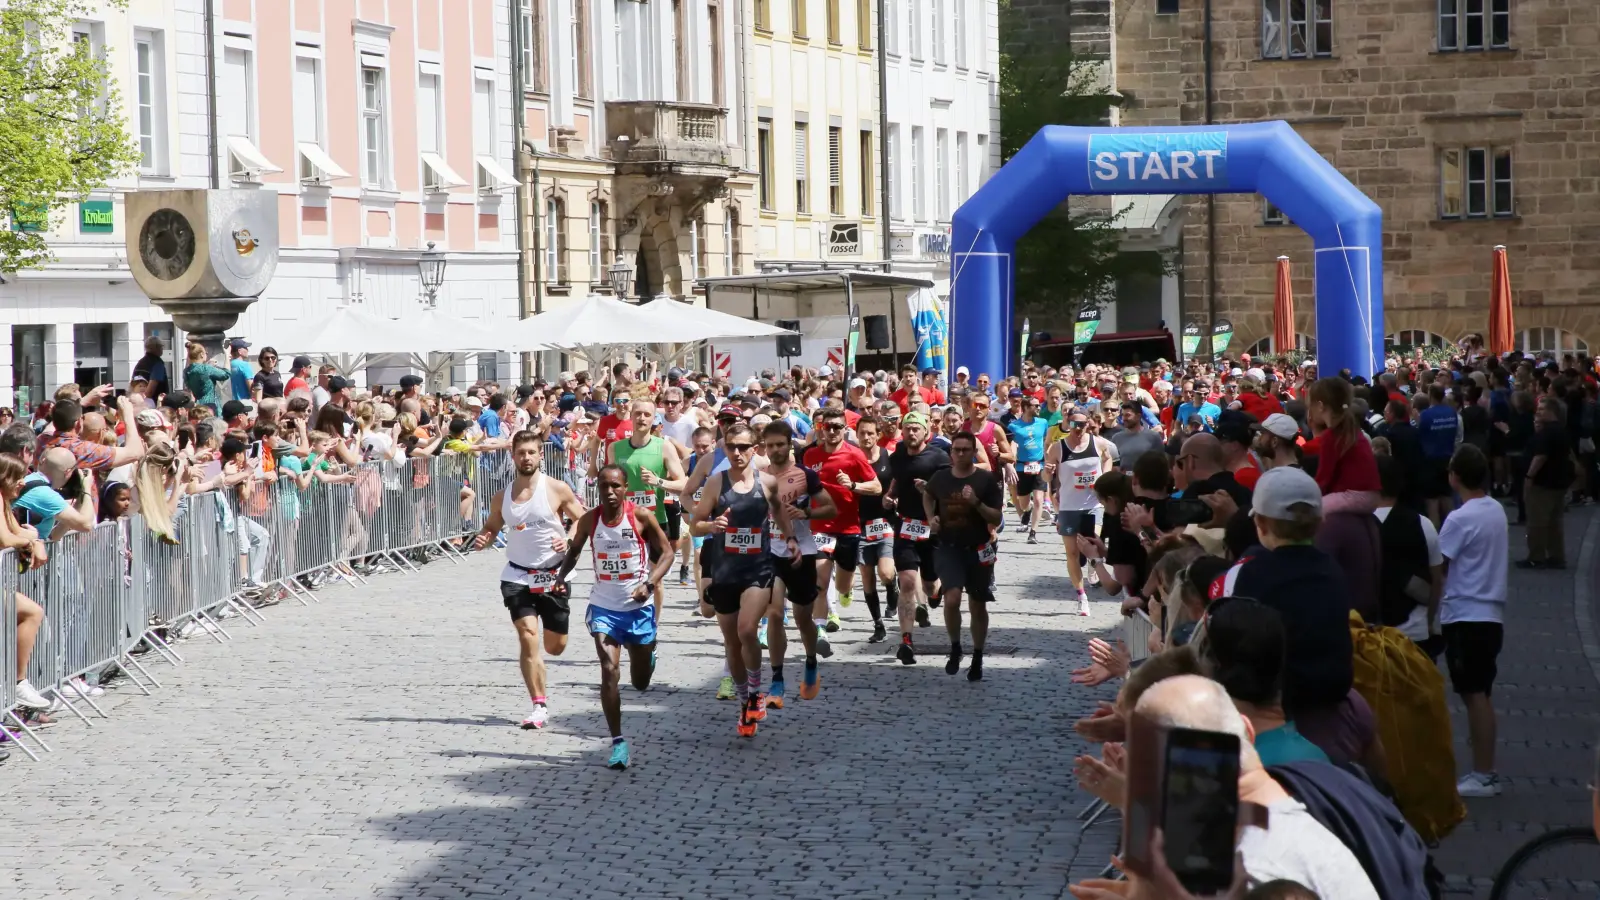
747 725
811 683
758 708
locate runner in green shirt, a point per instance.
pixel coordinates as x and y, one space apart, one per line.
653 468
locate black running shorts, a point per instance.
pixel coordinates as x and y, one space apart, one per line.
799 578
846 551
910 556
724 598
553 611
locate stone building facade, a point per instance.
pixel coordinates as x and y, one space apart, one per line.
1470 129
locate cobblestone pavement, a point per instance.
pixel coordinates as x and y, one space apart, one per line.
368 748
1547 704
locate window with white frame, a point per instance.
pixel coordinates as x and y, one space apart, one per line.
374 128
938 32
893 162
941 170
483 129
764 176
1296 29
702 252
149 97
891 27
236 95
1304 343
865 158
836 170
963 169
1475 183
802 161
315 165
1550 340
1474 25
919 209
599 241
958 24
555 240
530 20
89 39
733 242
914 27
1415 337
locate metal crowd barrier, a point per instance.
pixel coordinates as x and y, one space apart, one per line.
121 591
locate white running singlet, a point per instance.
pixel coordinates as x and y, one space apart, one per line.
532 529
621 562
1077 473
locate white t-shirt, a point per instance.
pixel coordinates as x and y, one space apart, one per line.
377 446
1474 539
1416 626
1295 846
681 431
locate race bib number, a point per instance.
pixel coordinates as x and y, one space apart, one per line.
697 495
616 567
914 530
825 542
643 499
1084 481
877 531
742 540
986 554
1030 468
542 582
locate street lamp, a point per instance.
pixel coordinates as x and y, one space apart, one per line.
431 267
621 276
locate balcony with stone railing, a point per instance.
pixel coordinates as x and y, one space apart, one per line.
664 137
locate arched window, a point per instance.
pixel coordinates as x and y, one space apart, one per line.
1414 337
1265 347
1552 340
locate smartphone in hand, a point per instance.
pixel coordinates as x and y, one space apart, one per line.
1185 782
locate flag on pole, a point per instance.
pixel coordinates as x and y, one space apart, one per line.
1027 333
927 322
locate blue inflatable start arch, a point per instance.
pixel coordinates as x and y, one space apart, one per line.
1266 158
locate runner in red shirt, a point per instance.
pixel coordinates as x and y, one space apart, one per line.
931 394
845 473
614 426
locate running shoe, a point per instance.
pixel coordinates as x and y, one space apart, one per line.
1478 784
1033 537
761 634
619 756
833 623
824 646
922 617
725 689
845 599
30 697
1083 603
891 610
775 696
879 634
540 718
975 671
952 663
935 600
683 574
810 683
1091 576
758 707
905 654
747 725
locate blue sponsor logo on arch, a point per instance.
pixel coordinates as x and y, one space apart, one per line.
1143 163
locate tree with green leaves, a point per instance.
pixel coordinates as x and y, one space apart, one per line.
63 132
1073 256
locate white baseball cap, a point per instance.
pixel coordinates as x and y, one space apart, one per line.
963 370
1280 425
825 371
1280 490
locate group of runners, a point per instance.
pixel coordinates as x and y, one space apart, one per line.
772 523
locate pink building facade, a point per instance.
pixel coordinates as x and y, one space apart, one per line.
383 126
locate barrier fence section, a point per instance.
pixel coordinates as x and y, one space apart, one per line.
122 591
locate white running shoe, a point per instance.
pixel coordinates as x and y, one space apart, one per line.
1083 603
87 689
30 697
1478 784
1091 576
539 718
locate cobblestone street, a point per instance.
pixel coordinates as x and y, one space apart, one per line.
368 748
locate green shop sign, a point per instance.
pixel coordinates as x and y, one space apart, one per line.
30 217
94 217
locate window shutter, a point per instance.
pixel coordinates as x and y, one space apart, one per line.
835 157
801 151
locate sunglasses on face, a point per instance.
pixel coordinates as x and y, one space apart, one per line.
833 426
740 448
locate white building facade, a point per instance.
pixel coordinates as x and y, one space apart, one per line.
943 112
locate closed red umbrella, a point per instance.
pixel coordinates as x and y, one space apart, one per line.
1283 310
1502 330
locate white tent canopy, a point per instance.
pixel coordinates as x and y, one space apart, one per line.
602 321
350 337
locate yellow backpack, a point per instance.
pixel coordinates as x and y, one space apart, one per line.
1406 693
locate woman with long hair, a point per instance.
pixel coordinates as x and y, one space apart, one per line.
202 378
1347 471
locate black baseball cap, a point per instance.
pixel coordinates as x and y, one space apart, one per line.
234 408
1236 426
337 383
410 381
178 400
301 362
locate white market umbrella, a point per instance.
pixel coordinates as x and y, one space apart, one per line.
597 321
344 330
688 322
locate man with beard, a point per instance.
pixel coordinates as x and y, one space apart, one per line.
913 461
801 498
530 512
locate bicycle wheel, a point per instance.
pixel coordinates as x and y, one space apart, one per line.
1558 865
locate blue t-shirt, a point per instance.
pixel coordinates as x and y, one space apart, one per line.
1436 425
1208 413
1286 745
240 372
42 504
1029 438
490 423
800 422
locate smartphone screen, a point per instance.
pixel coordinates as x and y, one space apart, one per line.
1188 512
1200 808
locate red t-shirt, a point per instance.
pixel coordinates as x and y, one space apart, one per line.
1247 476
929 396
296 384
613 428
851 461
1259 406
1166 415
1356 469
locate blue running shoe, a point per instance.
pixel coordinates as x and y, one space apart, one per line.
775 696
619 756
